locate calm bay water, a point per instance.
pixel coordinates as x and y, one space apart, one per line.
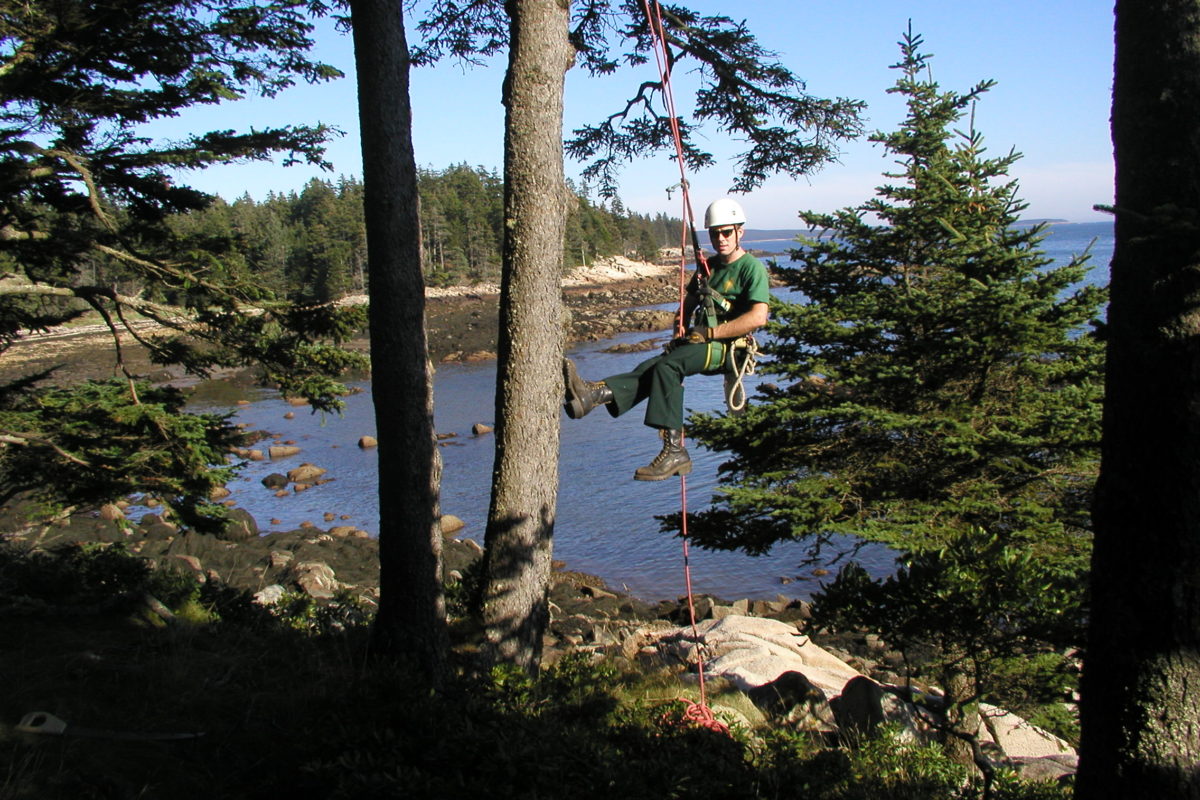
606 521
1063 240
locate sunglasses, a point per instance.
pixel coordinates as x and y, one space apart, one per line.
721 233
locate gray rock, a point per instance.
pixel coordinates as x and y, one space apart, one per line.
160 530
793 699
859 708
275 481
751 651
1018 738
720 612
193 564
596 593
111 511
305 473
239 526
270 595
316 579
1045 768
864 704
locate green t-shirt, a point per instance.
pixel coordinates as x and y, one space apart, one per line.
742 283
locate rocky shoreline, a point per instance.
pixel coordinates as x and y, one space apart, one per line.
462 325
764 648
466 328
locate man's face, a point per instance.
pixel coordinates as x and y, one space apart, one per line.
725 239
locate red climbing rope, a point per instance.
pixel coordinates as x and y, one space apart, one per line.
696 713
663 58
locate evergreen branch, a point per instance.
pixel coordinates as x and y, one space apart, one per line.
640 98
169 272
119 310
25 52
171 316
25 439
10 234
89 181
94 301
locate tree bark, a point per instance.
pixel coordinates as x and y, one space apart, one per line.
1141 681
962 713
520 526
411 621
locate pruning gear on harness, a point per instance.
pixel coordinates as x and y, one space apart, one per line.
735 358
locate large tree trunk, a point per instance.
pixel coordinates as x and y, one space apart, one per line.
412 618
1141 682
529 369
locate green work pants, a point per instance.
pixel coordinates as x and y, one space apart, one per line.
659 380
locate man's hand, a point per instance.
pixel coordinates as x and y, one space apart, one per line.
693 336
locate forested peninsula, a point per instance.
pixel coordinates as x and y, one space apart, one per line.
312 245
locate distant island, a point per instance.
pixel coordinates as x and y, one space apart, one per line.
770 234
761 235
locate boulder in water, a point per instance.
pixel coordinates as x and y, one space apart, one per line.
305 473
275 481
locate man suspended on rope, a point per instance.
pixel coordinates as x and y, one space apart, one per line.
739 292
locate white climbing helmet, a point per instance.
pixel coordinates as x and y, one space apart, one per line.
725 211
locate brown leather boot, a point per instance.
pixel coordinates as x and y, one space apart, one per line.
673 459
582 396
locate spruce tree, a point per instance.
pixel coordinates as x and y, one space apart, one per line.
939 394
85 197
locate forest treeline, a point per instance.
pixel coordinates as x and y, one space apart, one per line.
311 245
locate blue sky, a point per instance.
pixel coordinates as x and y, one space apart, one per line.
1052 60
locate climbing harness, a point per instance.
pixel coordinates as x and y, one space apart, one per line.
735 358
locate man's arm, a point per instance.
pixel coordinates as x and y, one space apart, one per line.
748 322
